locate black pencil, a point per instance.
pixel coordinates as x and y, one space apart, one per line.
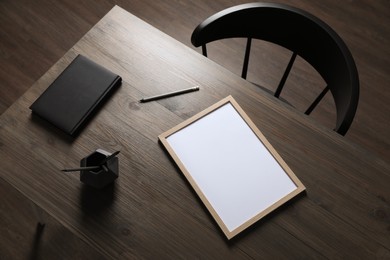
170 94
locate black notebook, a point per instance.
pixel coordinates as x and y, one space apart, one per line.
75 94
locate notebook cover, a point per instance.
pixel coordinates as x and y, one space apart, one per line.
75 94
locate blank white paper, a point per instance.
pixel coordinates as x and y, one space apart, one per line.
231 166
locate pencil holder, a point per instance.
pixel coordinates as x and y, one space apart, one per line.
103 176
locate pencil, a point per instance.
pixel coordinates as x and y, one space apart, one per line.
169 94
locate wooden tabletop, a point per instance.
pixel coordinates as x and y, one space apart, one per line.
151 211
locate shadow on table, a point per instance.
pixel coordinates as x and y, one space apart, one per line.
94 201
34 254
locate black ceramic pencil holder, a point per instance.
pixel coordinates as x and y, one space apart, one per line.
101 177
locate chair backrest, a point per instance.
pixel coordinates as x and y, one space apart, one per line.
300 32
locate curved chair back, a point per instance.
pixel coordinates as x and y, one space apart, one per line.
300 32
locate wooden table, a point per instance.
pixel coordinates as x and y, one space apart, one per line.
151 211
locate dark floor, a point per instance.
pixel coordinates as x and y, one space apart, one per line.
35 34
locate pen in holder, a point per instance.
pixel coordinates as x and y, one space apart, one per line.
99 169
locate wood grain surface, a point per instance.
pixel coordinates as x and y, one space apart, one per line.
21 238
151 211
35 34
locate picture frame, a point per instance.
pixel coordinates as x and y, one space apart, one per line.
230 164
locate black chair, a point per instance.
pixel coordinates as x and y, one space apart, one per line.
304 35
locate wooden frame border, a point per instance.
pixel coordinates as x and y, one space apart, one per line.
229 234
